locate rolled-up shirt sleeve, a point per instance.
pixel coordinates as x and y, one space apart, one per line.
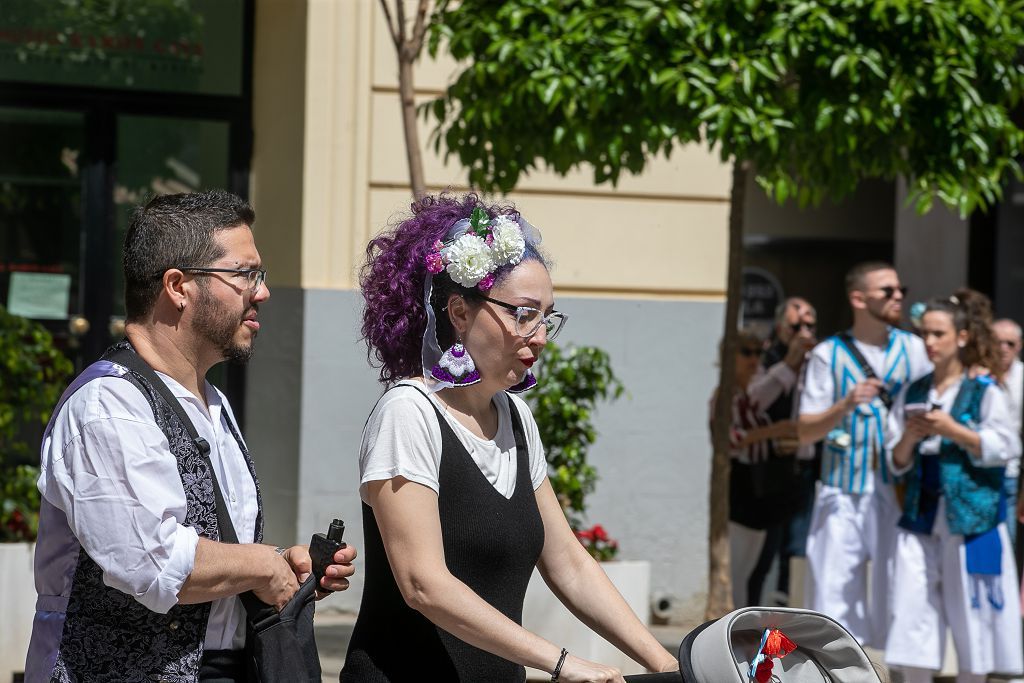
119 486
1000 441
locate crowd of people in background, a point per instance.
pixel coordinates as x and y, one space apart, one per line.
890 460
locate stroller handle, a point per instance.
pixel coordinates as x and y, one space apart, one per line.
667 677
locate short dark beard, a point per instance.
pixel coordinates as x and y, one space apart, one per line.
881 318
213 323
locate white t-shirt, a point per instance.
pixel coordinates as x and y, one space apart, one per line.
403 439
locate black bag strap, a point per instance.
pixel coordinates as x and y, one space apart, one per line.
127 358
848 342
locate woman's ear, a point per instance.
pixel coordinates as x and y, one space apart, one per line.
458 314
962 337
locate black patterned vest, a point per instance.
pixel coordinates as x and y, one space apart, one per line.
108 635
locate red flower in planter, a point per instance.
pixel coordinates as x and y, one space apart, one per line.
597 542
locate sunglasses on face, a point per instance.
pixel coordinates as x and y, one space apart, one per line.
889 291
748 352
810 327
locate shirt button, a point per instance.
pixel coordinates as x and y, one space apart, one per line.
174 625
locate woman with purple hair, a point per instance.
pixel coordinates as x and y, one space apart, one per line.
457 507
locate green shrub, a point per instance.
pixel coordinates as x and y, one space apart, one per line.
573 380
33 373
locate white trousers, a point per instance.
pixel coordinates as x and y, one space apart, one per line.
744 550
932 591
850 559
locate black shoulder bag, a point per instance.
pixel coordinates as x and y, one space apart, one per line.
280 646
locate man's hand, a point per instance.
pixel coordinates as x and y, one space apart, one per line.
280 581
799 346
337 573
863 392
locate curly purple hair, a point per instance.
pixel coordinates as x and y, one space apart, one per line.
392 278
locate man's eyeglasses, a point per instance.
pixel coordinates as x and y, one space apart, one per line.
1007 344
889 291
810 327
749 351
254 276
529 320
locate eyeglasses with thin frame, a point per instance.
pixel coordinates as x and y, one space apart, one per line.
254 276
889 291
529 319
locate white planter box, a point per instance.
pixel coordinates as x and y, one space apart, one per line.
546 616
17 606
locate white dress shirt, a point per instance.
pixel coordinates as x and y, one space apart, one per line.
109 469
1013 384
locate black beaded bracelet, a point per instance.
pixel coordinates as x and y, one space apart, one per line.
558 667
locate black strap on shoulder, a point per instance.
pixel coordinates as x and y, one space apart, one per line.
848 342
254 607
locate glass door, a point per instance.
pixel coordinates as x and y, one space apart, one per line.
41 222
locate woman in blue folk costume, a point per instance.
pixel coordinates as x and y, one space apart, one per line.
951 435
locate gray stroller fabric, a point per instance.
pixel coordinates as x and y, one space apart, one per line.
722 651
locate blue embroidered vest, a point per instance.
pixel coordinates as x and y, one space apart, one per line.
973 494
849 466
108 635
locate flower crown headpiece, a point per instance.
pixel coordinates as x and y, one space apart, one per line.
478 249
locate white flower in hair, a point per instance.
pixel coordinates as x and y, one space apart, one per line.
508 245
469 260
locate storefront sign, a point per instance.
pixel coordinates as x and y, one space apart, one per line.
192 46
42 296
762 293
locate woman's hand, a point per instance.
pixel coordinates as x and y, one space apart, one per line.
937 422
576 670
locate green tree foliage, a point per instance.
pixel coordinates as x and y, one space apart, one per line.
575 379
811 95
816 94
32 376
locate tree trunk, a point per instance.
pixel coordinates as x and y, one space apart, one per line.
406 92
719 584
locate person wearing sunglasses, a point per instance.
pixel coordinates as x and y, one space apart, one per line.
457 506
760 477
850 381
793 337
1007 334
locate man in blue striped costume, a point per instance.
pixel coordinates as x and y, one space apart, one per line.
846 404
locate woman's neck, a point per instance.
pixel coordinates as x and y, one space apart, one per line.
948 370
473 401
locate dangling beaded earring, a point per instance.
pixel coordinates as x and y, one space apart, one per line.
528 382
456 366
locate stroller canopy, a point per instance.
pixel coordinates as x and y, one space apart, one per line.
722 651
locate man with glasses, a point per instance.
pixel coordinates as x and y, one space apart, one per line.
850 381
131 572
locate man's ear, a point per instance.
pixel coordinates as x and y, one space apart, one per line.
857 299
175 287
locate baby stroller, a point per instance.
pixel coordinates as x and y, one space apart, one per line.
795 646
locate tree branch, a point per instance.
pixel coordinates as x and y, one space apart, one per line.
390 22
419 29
400 6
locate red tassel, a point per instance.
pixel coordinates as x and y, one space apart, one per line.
778 645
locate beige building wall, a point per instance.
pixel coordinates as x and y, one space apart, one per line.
351 176
643 264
